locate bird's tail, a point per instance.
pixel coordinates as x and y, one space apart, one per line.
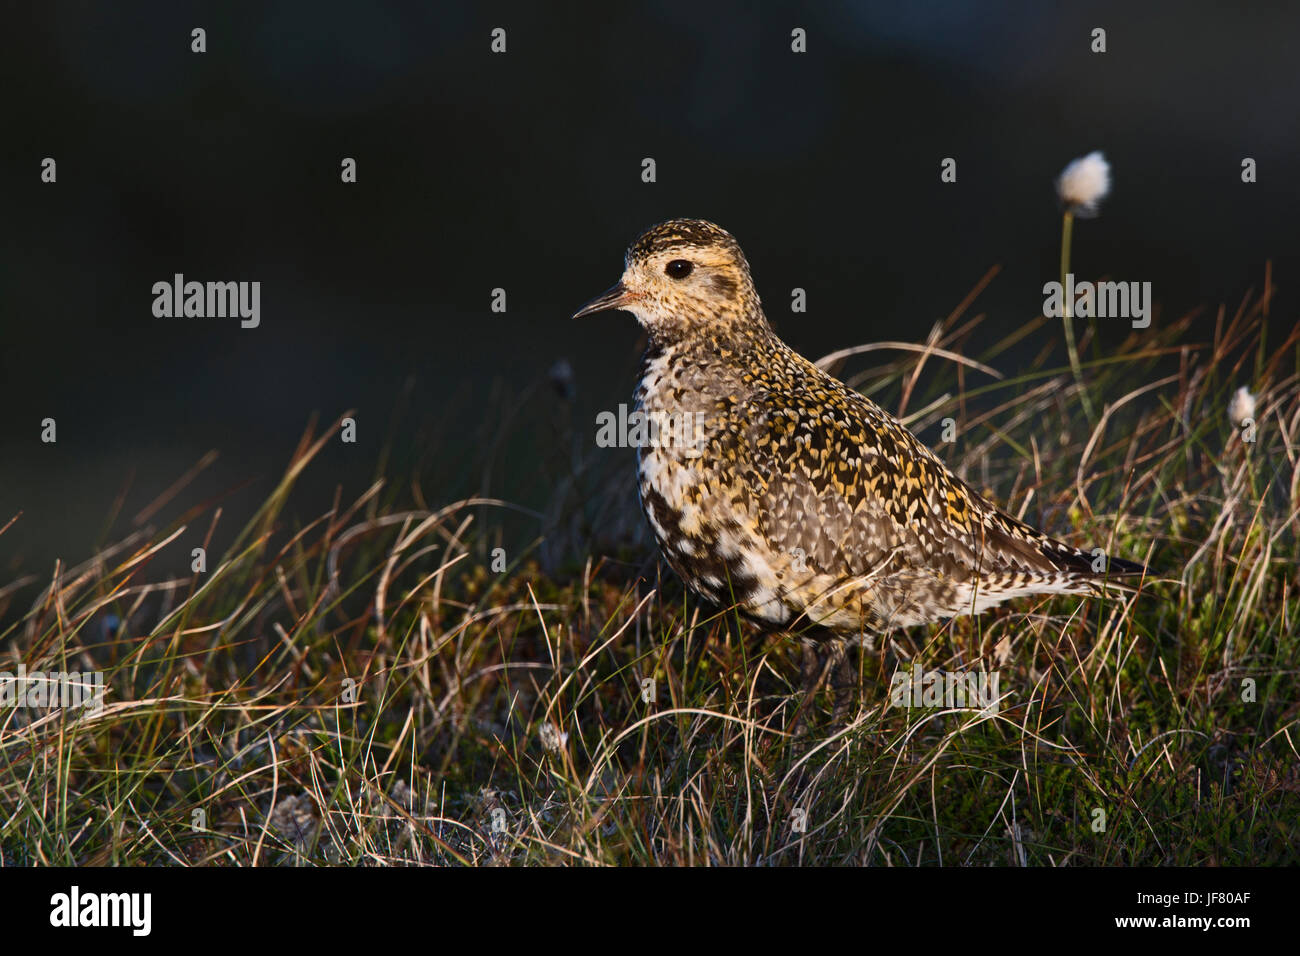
1094 571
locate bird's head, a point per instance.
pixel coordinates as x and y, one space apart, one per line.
685 277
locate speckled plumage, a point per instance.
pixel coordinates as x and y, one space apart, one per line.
804 504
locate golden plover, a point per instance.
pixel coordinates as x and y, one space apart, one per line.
774 487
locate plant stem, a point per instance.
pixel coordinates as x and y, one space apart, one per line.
1067 236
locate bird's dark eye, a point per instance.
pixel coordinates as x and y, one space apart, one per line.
679 268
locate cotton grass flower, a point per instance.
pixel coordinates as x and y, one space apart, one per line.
1084 184
1241 407
552 738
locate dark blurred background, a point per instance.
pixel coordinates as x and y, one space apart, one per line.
523 171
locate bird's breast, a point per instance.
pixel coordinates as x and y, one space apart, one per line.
694 493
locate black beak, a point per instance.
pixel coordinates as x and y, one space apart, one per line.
615 298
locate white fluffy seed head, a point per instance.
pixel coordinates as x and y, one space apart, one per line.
553 739
1084 184
1241 407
